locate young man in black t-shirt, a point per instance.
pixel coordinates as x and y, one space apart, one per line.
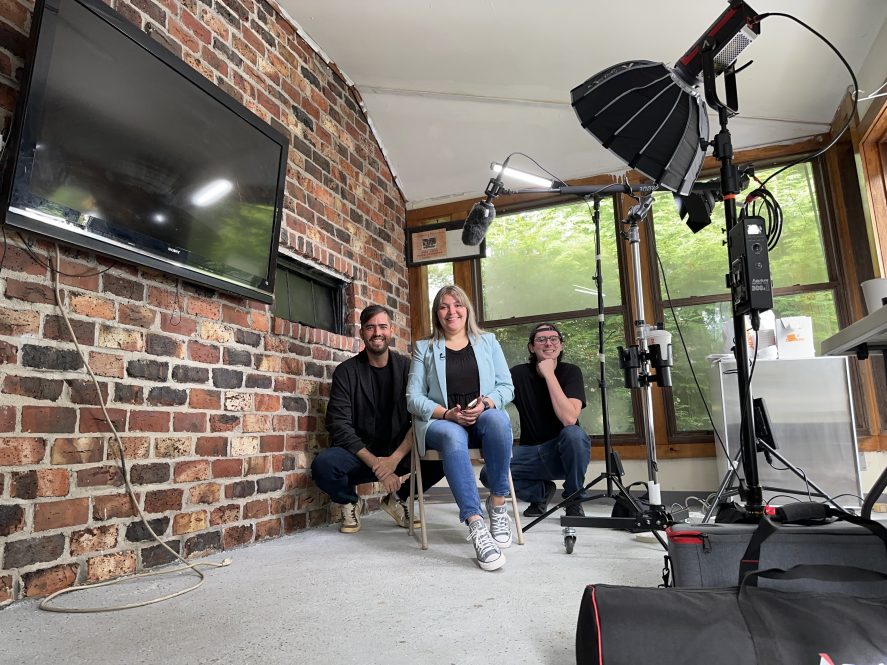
549 394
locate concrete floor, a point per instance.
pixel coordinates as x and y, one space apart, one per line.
324 597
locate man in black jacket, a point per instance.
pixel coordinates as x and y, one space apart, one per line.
370 428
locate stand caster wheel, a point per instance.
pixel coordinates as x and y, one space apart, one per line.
569 543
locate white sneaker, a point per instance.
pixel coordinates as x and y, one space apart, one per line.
489 556
351 516
500 523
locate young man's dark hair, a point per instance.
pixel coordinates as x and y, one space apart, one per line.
371 311
543 327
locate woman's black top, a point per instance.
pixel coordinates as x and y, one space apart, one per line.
463 379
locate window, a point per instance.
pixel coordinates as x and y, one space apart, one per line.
694 265
540 266
439 275
308 296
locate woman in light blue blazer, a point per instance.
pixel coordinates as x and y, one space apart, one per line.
458 386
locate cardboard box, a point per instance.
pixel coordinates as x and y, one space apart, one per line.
794 337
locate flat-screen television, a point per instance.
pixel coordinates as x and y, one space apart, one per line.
119 147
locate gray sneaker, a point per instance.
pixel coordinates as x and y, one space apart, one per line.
489 556
500 523
351 517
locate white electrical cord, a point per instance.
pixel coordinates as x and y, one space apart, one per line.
194 567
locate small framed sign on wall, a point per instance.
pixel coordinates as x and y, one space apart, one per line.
439 243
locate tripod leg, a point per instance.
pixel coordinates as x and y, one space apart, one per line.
726 481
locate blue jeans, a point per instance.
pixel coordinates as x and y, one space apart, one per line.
563 458
336 471
492 434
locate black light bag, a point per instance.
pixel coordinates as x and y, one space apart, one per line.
743 625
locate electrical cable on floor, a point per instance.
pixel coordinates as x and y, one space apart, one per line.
193 567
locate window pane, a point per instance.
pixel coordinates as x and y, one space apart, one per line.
818 305
581 348
301 300
702 327
537 260
324 304
799 257
439 276
281 305
694 263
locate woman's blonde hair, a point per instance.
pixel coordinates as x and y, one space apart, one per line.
471 327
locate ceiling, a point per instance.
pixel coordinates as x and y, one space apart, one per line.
452 85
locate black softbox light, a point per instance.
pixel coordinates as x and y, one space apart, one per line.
648 117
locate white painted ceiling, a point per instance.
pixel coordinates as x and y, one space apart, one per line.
452 85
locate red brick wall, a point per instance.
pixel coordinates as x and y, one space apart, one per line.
219 405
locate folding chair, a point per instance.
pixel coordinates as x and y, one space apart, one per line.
475 455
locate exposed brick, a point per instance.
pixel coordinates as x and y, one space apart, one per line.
54 328
190 522
190 374
259 381
106 364
47 581
18 323
192 470
109 506
189 422
134 447
129 394
244 445
269 484
159 555
174 446
7 418
125 339
285 423
253 510
237 535
82 391
272 443
203 544
253 422
148 474
227 378
293 523
149 421
47 357
238 357
293 403
204 399
204 353
15 451
8 353
240 489
225 514
21 553
137 531
212 446
248 337
283 504
150 370
58 514
267 402
161 501
177 324
92 419
227 468
137 315
110 565
82 450
167 396
39 483
224 422
33 387
268 529
49 419
30 292
96 539
92 307
12 518
98 476
123 287
239 402
257 465
204 493
160 345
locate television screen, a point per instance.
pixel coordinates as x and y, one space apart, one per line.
123 149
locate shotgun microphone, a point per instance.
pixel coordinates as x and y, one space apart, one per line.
478 221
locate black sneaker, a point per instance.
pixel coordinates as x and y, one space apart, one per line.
574 510
537 508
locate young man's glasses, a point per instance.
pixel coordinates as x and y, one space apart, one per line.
554 339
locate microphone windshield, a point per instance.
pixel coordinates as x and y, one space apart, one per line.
478 221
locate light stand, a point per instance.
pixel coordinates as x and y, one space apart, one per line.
642 519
